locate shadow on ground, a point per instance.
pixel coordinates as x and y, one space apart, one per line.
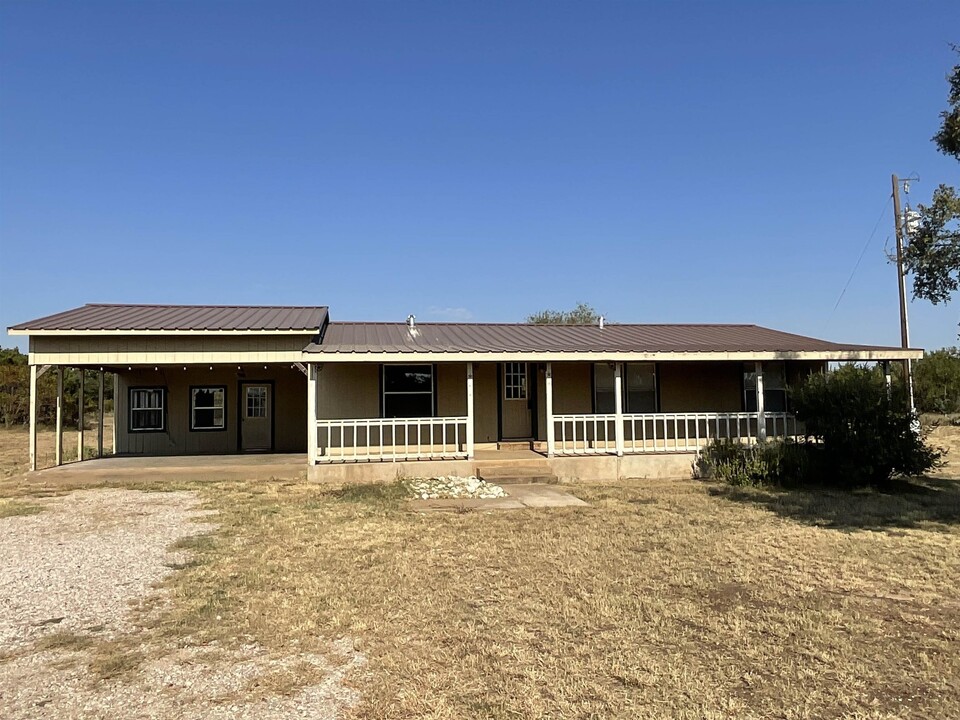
922 502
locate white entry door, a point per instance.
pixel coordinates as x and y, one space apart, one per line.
256 417
516 418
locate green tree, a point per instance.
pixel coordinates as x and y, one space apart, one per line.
865 438
15 392
933 254
582 314
936 380
14 387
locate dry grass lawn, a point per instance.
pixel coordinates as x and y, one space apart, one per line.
15 445
662 599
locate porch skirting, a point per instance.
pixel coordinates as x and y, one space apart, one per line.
592 469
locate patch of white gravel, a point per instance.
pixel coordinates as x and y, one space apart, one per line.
82 566
78 565
189 684
454 487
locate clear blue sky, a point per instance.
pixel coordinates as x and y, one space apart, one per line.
664 162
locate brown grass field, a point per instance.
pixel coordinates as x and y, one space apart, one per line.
663 599
15 446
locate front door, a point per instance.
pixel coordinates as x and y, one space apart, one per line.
256 417
516 418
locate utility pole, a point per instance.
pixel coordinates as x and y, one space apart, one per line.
899 227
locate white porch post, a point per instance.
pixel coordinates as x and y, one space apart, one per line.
100 416
33 417
469 410
311 413
761 415
551 442
83 377
116 411
618 405
888 378
58 451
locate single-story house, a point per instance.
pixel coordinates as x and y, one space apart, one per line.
373 400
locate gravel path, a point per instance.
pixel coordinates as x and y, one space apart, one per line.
81 566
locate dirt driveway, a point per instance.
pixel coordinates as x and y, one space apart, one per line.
77 588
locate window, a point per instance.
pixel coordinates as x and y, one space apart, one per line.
407 391
148 409
207 405
774 387
603 387
639 388
256 401
515 381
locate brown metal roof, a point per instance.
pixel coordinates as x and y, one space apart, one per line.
172 318
348 337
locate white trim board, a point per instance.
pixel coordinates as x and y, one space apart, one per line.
740 356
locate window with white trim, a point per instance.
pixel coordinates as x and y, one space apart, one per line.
774 387
208 408
148 409
408 391
639 388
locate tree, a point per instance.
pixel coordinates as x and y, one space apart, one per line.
948 137
15 391
582 314
933 255
14 386
864 437
936 380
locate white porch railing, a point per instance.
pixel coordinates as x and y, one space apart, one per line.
589 434
686 432
391 439
595 434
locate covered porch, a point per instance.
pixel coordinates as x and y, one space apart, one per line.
553 408
187 379
184 409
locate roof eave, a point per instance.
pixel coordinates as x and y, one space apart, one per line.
258 331
839 355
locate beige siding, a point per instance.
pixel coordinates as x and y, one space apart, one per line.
485 406
452 390
158 350
572 388
290 410
701 387
347 391
290 416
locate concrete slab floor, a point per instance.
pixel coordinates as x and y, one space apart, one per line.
518 497
182 467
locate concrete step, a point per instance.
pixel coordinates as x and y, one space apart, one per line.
514 468
514 445
517 473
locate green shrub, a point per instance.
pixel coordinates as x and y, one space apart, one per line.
936 382
864 437
764 464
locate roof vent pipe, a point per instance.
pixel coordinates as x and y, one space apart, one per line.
601 322
412 321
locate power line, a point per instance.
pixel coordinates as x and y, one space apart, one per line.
883 214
